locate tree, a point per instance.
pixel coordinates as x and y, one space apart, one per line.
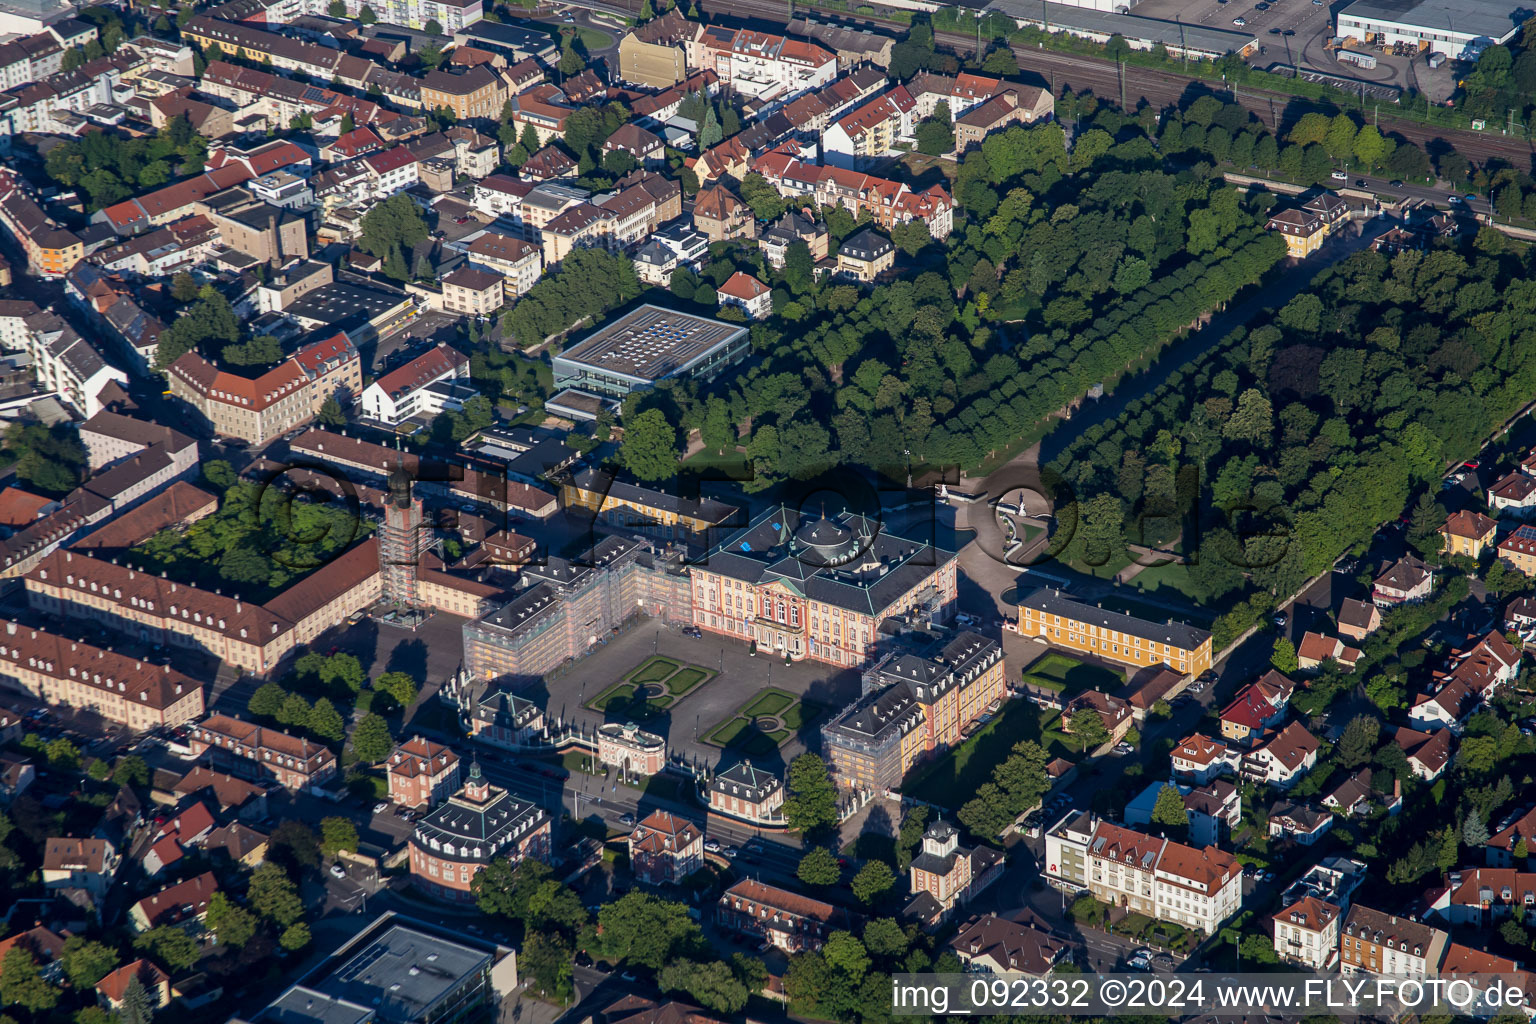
294 845
336 9
818 867
872 880
1358 741
911 237
183 287
546 958
1474 832
295 937
935 138
87 962
710 131
273 896
1169 809
337 835
649 448
433 27
1087 725
230 924
366 15
371 740
138 1007
400 687
713 984
170 945
331 413
811 803
1283 658
293 712
647 931
130 770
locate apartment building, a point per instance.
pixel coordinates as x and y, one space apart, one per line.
888 203
51 249
871 132
470 291
1078 626
721 216
78 863
1378 942
519 263
1196 888
916 704
1467 533
762 65
404 392
251 751
66 362
62 672
261 408
479 91
421 773
1282 759
655 55
452 15
827 602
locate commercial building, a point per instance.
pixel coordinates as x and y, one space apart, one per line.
914 705
646 346
819 588
1101 20
1169 881
1460 29
1078 626
73 674
475 826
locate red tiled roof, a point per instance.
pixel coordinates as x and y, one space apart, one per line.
742 286
421 371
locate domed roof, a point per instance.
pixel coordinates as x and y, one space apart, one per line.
828 542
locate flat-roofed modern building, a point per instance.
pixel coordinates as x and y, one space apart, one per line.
399 971
648 345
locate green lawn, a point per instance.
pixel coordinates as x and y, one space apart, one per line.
771 702
803 712
618 691
1067 675
686 679
726 732
653 670
955 777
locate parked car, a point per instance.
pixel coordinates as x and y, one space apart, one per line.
381 807
1339 176
337 871
1124 748
712 846
626 819
1239 22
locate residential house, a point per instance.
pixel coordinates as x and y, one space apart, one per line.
240 843
1428 752
872 131
647 149
1407 581
1518 550
470 291
762 65
1500 847
996 114
73 863
1283 759
407 390
1169 881
1305 228
421 773
1467 533
1358 619
230 795
787 920
519 263
113 989
1199 759
1307 933
184 904
1298 823
721 216
1316 649
1248 716
996 945
746 293
864 256
1513 494
794 226
1520 614
664 849
1114 712
1482 897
